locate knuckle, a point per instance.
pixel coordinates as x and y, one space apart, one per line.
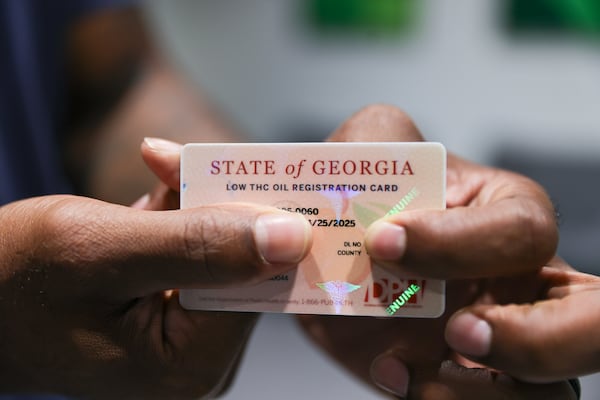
382 122
200 363
64 231
383 111
225 252
196 242
538 235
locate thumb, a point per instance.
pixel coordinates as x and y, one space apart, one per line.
541 342
136 252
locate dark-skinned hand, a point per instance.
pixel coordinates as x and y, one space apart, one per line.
85 289
491 244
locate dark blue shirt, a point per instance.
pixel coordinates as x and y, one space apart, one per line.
32 79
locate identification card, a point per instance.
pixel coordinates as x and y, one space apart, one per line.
340 188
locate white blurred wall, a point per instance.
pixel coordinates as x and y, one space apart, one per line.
463 81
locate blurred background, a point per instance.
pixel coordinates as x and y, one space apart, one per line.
514 83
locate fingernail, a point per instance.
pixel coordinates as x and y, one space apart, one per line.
385 241
390 374
162 145
142 202
282 237
469 335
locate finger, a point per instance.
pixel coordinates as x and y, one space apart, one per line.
187 342
542 342
140 252
452 381
163 158
163 198
563 281
509 237
377 123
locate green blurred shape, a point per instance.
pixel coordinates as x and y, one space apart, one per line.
562 16
361 16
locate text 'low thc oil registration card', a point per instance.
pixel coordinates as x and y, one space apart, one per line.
340 188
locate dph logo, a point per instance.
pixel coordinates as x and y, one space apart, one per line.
385 291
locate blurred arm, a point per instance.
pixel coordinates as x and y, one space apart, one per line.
122 90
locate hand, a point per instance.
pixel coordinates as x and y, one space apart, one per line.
497 233
545 341
85 295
